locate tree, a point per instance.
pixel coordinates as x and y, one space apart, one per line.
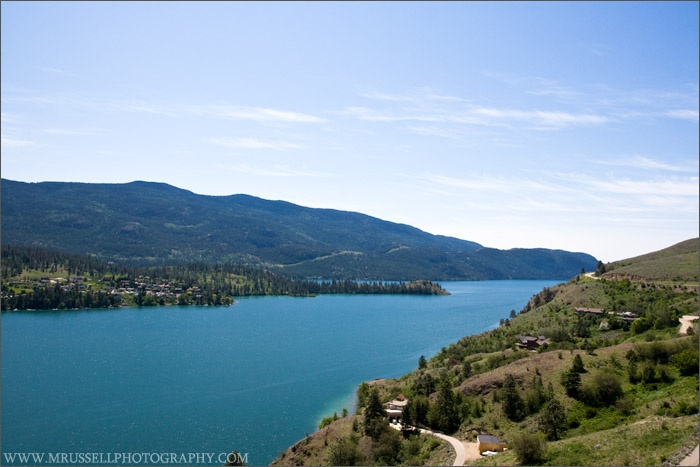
374 408
444 414
552 419
686 361
577 364
571 380
362 395
344 452
422 362
416 411
512 402
466 370
423 384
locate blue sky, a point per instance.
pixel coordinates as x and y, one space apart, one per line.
555 124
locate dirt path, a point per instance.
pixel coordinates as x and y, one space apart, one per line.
686 323
693 458
472 451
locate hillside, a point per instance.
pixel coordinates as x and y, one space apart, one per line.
155 223
679 262
603 389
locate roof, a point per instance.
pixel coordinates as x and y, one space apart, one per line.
488 439
589 310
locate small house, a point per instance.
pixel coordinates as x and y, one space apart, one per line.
394 408
490 443
532 343
595 311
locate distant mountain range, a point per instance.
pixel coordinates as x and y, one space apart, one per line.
151 223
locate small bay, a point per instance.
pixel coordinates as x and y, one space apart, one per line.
254 377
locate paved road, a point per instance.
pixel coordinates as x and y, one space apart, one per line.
693 458
456 444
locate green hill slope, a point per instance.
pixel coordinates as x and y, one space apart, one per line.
603 389
157 223
680 262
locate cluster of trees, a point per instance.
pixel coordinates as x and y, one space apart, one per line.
381 444
182 284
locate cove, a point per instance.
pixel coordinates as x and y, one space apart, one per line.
254 377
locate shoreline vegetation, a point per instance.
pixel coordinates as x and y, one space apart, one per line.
43 279
591 389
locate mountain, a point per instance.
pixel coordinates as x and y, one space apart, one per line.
155 223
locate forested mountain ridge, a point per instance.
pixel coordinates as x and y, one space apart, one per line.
155 223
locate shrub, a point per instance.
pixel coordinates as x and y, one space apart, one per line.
530 448
601 390
686 361
344 452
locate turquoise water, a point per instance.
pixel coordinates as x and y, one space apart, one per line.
254 377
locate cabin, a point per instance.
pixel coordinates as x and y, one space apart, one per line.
490 443
595 311
394 408
532 343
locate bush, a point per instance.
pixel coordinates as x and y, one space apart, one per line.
530 448
344 452
602 390
686 361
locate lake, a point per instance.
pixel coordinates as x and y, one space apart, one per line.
254 377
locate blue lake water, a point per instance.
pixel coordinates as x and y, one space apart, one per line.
254 377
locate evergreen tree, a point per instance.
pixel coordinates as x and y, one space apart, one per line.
444 415
512 403
552 419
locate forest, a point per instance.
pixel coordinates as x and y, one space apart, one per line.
43 279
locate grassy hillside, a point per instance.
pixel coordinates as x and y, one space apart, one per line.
602 391
679 262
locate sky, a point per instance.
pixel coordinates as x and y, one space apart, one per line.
565 125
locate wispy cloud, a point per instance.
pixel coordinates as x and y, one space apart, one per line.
643 162
9 142
253 143
544 118
73 131
56 71
262 114
684 114
277 171
431 107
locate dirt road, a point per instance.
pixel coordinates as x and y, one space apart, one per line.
686 323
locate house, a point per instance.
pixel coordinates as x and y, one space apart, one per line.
490 443
394 408
532 343
595 311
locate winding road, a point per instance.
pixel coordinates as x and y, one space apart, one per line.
456 444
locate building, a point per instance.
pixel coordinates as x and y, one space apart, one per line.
595 311
394 408
490 443
532 343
